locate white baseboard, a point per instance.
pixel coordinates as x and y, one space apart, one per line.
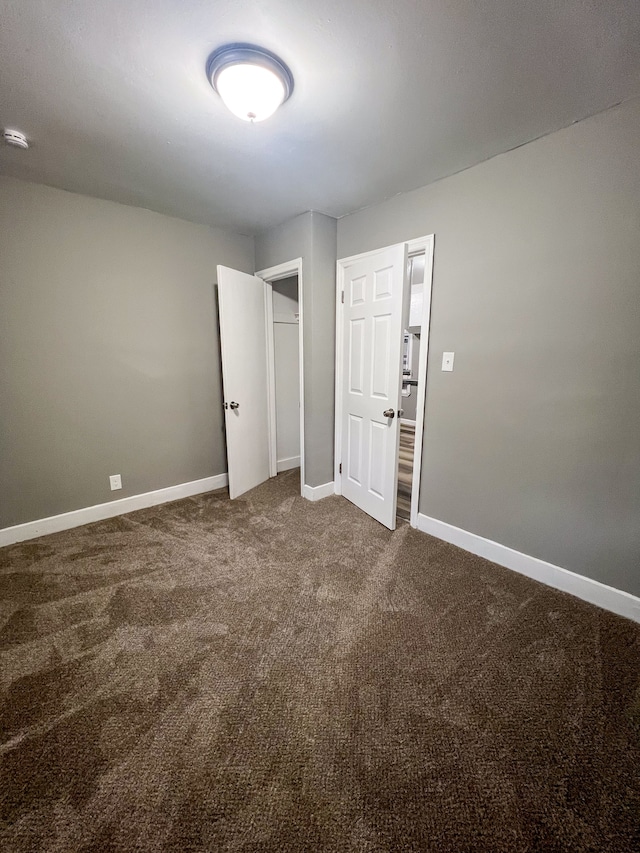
615 600
287 464
316 493
86 515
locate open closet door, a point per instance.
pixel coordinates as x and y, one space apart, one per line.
372 324
241 300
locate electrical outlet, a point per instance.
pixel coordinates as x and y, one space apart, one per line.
115 481
447 360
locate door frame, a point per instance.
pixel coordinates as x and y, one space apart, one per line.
269 275
418 245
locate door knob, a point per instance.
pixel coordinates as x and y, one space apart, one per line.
234 405
388 413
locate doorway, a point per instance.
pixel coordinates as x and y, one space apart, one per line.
285 364
256 449
382 340
412 339
285 371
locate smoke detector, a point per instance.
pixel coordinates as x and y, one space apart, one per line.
15 138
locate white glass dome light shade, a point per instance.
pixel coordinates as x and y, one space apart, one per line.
251 92
252 82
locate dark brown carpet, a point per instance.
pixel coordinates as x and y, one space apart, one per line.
270 674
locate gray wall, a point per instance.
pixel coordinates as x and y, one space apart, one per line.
285 242
534 440
312 236
109 354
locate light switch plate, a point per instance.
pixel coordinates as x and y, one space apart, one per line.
447 360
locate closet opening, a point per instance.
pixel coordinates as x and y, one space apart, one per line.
412 339
285 370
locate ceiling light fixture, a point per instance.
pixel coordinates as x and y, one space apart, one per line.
252 82
15 138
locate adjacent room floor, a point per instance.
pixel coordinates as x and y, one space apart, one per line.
271 674
405 469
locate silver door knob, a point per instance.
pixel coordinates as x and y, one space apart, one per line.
388 413
234 405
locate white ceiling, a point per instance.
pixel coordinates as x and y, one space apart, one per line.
389 95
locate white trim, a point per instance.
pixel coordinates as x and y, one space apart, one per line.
615 600
279 271
426 244
270 275
287 464
89 514
337 425
316 493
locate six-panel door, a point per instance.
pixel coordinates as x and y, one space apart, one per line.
371 381
243 347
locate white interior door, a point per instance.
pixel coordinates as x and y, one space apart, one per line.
374 295
241 300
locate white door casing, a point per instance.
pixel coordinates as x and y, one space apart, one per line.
370 382
243 344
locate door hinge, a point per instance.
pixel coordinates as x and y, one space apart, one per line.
340 468
343 297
